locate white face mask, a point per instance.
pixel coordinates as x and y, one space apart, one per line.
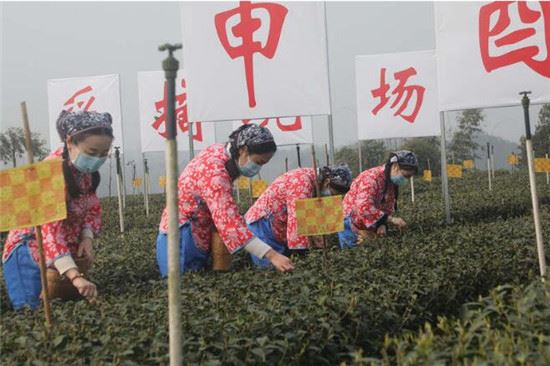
250 169
88 164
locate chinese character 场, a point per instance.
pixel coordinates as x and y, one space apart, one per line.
181 114
508 35
284 127
403 94
245 30
78 100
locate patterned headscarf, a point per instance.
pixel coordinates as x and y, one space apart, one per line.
252 135
71 123
340 176
405 158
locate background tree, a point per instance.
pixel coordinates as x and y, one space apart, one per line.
425 148
12 145
463 146
373 152
541 136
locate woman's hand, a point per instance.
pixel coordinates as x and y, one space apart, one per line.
86 248
399 222
85 288
279 261
382 230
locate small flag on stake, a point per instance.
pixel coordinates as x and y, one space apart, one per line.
258 187
319 216
32 195
454 171
162 181
427 175
468 164
243 183
542 165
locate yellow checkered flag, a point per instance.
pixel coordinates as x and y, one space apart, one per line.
512 159
137 182
427 175
258 187
468 164
32 195
319 216
454 170
243 183
542 165
162 181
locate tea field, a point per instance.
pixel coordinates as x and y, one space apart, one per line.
466 293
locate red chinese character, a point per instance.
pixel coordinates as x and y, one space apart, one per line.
400 91
181 114
284 127
74 101
505 40
245 30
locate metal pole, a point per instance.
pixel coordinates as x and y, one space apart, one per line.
326 155
37 229
119 189
110 172
170 66
298 154
412 189
360 155
444 176
191 142
533 184
286 164
489 166
493 160
330 125
146 183
547 175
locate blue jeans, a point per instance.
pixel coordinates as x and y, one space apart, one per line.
347 238
262 229
22 276
191 257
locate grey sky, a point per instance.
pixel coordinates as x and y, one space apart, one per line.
45 40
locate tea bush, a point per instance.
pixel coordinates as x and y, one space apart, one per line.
323 313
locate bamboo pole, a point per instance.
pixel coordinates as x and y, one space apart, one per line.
38 228
170 66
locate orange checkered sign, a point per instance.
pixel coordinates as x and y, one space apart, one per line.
427 175
319 216
137 182
32 195
542 165
243 183
512 159
454 170
162 181
468 164
258 187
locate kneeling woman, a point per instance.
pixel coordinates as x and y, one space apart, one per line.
273 216
370 203
87 138
206 201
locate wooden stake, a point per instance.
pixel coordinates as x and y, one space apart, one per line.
318 194
146 185
37 229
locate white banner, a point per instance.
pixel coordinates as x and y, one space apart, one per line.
397 95
93 93
255 60
285 131
152 115
489 52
